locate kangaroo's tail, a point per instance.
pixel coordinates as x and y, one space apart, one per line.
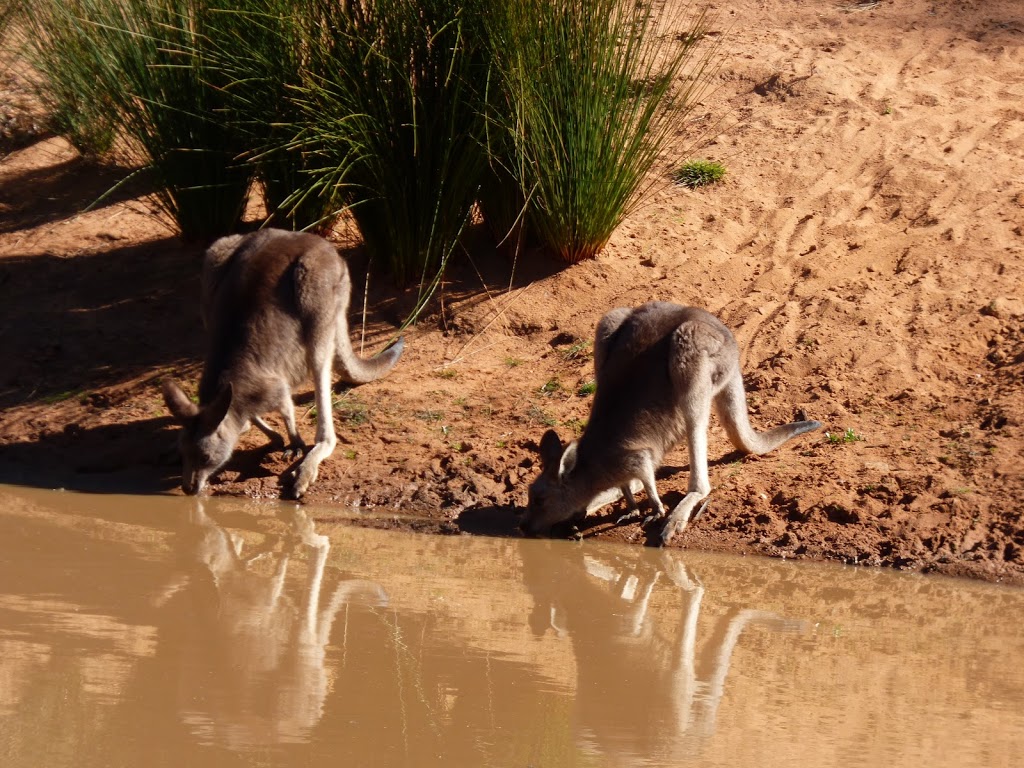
358 370
731 406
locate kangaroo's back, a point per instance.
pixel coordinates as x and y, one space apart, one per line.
637 359
261 295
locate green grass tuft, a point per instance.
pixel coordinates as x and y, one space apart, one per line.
699 173
849 436
393 123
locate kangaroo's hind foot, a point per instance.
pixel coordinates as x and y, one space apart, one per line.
682 515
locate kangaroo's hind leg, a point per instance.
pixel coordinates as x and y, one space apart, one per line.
694 383
321 356
319 307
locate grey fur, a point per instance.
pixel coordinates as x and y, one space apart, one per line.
660 368
275 307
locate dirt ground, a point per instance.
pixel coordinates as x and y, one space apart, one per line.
866 246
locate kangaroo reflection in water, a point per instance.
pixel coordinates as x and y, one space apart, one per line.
252 661
643 692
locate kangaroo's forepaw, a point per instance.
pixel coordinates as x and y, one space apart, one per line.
293 450
628 517
652 517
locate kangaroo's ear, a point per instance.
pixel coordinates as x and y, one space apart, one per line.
568 462
214 413
178 404
550 451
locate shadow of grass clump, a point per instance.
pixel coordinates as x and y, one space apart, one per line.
53 193
98 319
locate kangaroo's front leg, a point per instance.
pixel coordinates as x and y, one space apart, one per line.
268 430
296 445
632 511
646 472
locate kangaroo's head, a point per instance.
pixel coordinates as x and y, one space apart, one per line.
206 441
552 498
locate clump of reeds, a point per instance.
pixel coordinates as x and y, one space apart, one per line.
394 122
143 67
262 52
594 89
78 107
549 113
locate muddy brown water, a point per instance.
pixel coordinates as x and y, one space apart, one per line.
162 631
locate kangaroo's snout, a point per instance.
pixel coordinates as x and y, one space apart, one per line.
529 528
192 484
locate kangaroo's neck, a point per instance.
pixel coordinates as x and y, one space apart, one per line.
221 370
217 374
583 483
235 420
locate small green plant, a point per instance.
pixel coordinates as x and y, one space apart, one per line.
849 436
60 397
429 415
513 362
699 173
551 386
349 454
588 388
447 373
538 416
576 425
350 411
579 349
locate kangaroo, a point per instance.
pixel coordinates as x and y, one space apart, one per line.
659 369
275 306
